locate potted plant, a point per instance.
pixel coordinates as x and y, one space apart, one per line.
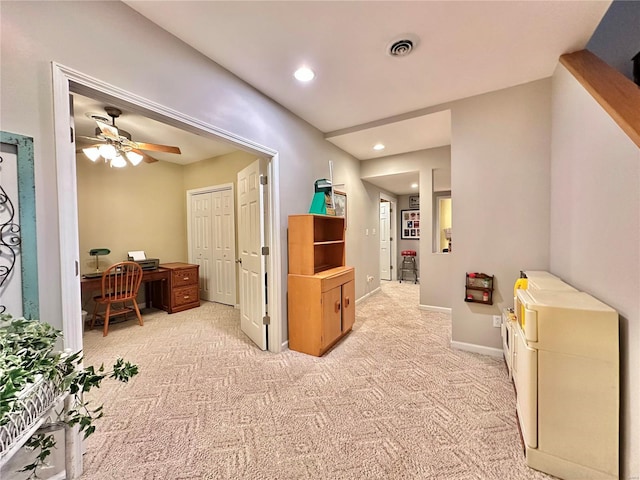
35 375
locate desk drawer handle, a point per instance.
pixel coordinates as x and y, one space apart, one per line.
186 297
185 278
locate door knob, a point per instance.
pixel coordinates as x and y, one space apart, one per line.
239 260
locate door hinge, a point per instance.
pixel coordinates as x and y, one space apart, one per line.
72 134
266 320
265 250
390 267
263 179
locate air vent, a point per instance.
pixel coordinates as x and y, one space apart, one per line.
402 45
401 48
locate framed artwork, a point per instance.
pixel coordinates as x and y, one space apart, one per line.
410 224
340 200
414 201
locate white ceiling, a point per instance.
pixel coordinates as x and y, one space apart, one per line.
463 48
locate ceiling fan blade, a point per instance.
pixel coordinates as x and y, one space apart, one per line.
147 158
108 130
83 139
157 148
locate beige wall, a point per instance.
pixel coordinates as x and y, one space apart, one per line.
500 185
141 208
216 171
595 229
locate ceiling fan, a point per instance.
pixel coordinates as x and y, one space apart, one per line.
116 144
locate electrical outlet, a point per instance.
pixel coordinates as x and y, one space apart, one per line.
497 321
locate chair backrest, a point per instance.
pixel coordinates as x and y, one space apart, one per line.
121 281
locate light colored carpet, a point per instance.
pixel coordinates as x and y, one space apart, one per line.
391 401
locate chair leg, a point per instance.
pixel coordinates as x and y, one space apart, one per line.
95 313
105 330
135 304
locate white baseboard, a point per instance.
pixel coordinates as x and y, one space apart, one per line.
472 347
284 346
364 297
432 308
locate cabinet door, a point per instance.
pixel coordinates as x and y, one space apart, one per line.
331 316
348 305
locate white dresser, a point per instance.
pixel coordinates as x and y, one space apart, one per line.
565 364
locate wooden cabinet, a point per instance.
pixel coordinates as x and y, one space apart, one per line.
321 309
316 243
181 291
321 298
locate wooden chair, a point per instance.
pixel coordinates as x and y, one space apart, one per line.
120 284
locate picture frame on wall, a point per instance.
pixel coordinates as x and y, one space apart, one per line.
340 205
414 201
410 224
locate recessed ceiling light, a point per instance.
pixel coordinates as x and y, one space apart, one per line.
414 185
378 146
304 74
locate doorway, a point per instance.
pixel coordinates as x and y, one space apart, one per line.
67 81
388 242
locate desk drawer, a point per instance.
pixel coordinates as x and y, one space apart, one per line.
185 296
185 276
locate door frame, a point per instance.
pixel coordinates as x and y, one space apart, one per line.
211 189
393 222
66 81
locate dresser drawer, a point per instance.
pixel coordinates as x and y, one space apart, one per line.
185 295
185 276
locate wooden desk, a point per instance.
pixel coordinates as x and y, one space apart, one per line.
160 274
172 287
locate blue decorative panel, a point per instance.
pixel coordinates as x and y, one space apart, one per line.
18 233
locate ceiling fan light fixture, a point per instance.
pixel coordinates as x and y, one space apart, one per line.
134 157
118 161
92 153
107 151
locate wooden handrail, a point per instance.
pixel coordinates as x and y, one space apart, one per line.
618 95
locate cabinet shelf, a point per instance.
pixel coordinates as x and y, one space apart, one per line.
478 288
316 243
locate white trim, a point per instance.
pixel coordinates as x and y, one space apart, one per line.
285 345
65 80
432 308
364 297
481 349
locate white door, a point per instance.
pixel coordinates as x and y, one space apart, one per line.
224 248
252 263
213 245
201 240
385 244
